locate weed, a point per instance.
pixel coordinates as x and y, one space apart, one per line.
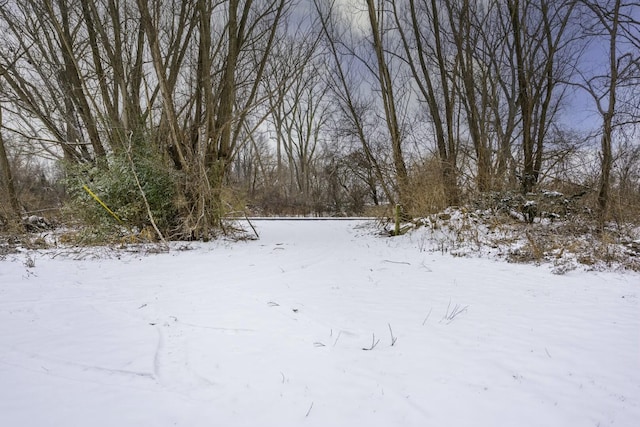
373 345
453 312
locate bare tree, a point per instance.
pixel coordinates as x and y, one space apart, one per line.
5 166
377 15
33 68
182 78
306 123
166 69
298 108
538 31
612 87
287 68
345 83
425 51
502 81
7 177
248 40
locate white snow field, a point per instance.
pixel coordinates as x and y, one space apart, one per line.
318 323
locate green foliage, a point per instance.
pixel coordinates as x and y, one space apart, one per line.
115 184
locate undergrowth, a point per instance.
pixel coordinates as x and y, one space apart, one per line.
124 212
564 244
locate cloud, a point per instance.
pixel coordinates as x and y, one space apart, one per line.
355 12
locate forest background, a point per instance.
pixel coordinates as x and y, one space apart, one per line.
164 117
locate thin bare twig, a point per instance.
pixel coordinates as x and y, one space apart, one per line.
144 196
337 338
397 262
427 318
393 339
309 411
374 343
451 314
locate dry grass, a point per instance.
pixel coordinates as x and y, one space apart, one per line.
564 244
427 191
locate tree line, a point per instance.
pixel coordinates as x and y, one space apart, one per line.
202 107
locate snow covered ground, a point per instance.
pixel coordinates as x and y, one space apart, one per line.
319 323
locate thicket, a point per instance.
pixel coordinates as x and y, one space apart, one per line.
109 199
276 107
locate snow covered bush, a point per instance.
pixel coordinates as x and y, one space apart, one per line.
561 243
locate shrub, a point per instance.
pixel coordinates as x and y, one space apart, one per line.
115 184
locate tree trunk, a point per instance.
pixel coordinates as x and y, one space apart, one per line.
606 163
527 179
607 125
75 81
389 103
7 177
426 75
165 88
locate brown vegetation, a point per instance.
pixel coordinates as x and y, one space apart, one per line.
176 114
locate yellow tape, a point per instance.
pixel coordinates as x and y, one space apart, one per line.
101 203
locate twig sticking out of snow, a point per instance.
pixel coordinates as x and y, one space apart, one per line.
397 262
393 339
374 343
337 338
309 411
451 314
427 318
